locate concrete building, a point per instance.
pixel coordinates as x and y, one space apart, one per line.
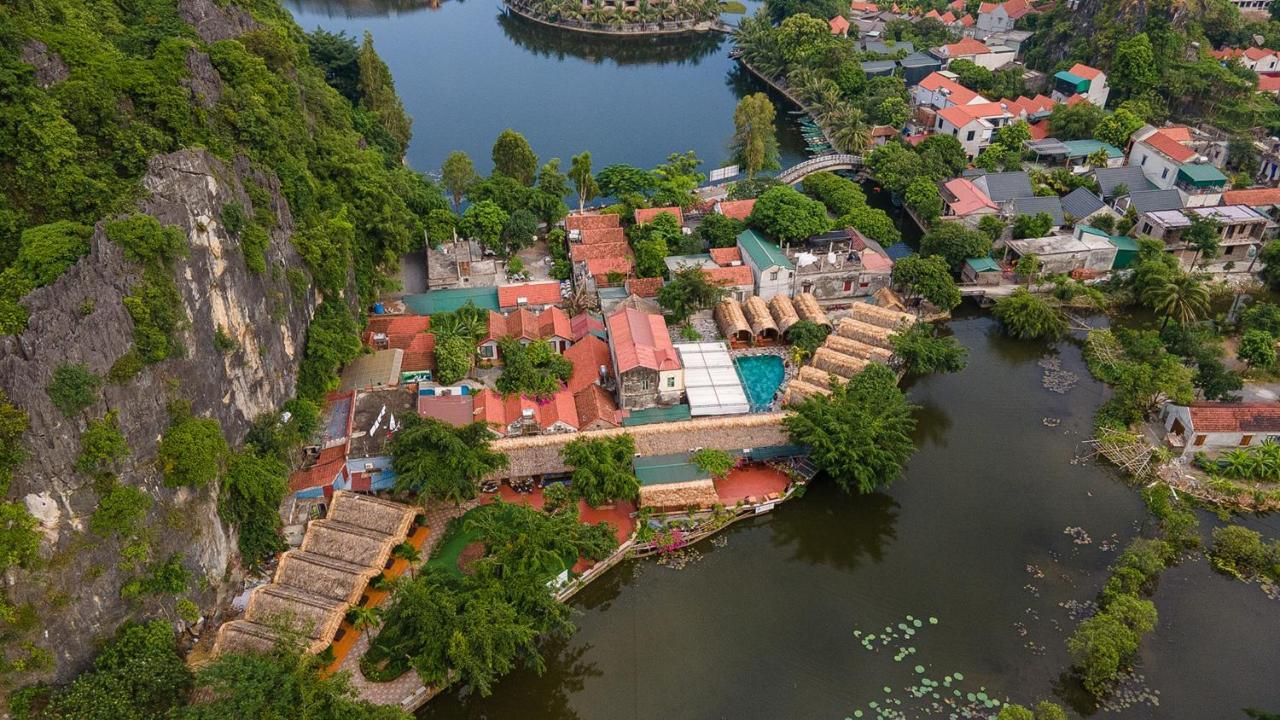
1241 230
1169 161
646 368
1215 427
1000 17
970 49
460 264
1089 82
773 272
1063 254
842 264
526 326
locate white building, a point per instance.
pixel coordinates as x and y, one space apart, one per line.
772 270
1214 427
999 17
1168 161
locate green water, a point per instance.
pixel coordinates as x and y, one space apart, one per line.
761 375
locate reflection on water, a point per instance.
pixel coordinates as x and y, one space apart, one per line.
808 535
561 44
363 8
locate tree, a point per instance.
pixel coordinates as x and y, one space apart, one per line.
1117 127
1180 298
378 96
874 223
458 175
519 231
441 462
923 351
513 157
652 242
1029 265
535 369
716 463
676 179
73 387
860 435
719 231
1270 257
755 139
440 226
892 111
943 154
1216 382
583 180
955 242
619 180
1102 645
602 469
192 450
929 278
1029 317
249 500
1075 122
1258 349
1203 236
454 357
895 165
922 196
13 424
336 56
551 180
363 619
102 446
689 291
19 540
1032 226
788 216
484 222
991 226
807 336
1133 67
332 340
139 675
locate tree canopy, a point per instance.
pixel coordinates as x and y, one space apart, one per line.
602 468
955 242
786 215
1029 317
688 291
442 462
923 351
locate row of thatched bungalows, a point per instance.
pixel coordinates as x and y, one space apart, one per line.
315 585
857 341
755 322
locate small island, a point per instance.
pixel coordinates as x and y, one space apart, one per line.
624 17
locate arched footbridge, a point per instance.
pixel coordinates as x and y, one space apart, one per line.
819 163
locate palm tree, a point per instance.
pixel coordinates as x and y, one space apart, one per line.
1183 299
409 554
364 618
848 130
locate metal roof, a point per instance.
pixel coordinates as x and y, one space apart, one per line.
1202 174
763 253
872 67
1004 186
919 59
448 300
711 381
1130 176
648 416
1047 146
1155 200
1040 204
1085 148
983 264
668 469
1080 203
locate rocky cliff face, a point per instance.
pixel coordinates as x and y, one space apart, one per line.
80 318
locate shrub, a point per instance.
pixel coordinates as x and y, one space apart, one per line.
1241 552
454 356
717 463
120 512
192 450
102 445
250 496
73 387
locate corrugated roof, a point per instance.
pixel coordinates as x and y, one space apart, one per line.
448 300
1202 174
983 264
1080 203
1085 148
1040 204
1155 200
1130 176
763 253
1004 186
668 469
654 415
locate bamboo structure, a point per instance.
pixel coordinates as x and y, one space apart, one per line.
873 335
846 366
679 496
798 390
732 323
807 308
757 314
882 317
784 313
856 348
811 375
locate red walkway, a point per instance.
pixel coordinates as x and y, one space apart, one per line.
752 483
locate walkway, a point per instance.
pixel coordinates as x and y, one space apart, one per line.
819 163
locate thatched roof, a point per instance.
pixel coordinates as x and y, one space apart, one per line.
857 348
811 375
324 576
349 542
783 312
885 297
366 511
865 333
846 366
758 317
240 636
798 390
540 454
732 323
882 317
317 618
807 308
678 496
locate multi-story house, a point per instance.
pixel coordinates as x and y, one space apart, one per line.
1169 162
646 368
772 270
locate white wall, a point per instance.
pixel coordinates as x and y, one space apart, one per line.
1160 170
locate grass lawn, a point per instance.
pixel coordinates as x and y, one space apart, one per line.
446 554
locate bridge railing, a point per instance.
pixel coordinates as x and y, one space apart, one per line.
817 163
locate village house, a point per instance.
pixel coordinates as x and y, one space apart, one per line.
839 26
526 326
965 202
970 49
646 367
1081 205
648 215
1121 181
1169 161
521 415
460 264
998 17
599 251
1259 60
1215 427
1241 230
536 296
841 264
736 209
1264 200
1080 79
940 90
592 384
1085 249
772 270
409 333
722 266
981 271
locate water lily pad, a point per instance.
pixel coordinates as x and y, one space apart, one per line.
933 621
887 690
970 697
917 623
857 713
919 668
959 676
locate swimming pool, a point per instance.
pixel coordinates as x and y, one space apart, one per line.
761 375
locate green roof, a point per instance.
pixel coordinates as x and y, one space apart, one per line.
1080 84
982 264
652 415
434 301
762 252
1202 174
1085 148
1124 242
668 469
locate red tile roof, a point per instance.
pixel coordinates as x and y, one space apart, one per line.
1164 142
1255 197
957 93
968 198
420 354
1269 83
591 222
932 14
595 404
1256 53
648 215
641 340
964 48
957 115
331 463
456 410
584 324
1230 417
1084 71
736 209
398 325
644 287
597 267
587 356
494 409
1013 8
407 333
583 252
602 236
859 6
967 21
725 256
732 276
947 18
838 25
535 293
526 325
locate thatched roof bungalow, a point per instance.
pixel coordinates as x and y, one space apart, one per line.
732 323
857 348
240 636
807 308
813 376
324 576
846 366
376 514
672 497
798 390
352 542
873 335
316 618
757 313
882 317
784 313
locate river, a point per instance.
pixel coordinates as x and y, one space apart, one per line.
763 624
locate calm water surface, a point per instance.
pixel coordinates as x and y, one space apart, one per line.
763 627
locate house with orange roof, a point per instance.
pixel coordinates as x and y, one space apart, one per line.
409 333
592 384
979 53
1169 159
534 296
646 368
1264 200
644 287
966 202
596 264
736 209
526 326
328 466
523 415
839 26
939 90
1088 83
648 215
1269 84
865 7
1259 60
722 266
972 125
999 17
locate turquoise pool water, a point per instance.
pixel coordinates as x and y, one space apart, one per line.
761 375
